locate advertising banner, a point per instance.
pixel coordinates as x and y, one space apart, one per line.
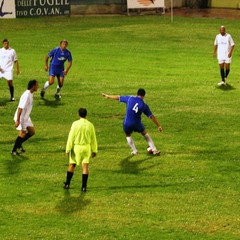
7 9
37 8
145 4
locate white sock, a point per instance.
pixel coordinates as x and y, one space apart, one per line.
46 85
131 144
150 142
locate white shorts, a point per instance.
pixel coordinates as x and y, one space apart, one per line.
7 75
23 125
226 60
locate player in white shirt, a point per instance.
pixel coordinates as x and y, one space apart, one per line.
223 49
22 118
8 58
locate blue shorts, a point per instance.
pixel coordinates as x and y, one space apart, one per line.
129 128
53 71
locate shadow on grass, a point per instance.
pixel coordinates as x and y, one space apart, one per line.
71 204
133 167
3 102
51 103
126 187
226 87
13 164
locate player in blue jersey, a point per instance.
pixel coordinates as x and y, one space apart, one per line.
132 122
56 68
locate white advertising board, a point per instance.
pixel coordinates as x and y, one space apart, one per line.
145 4
7 9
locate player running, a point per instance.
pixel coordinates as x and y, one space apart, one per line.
56 68
23 122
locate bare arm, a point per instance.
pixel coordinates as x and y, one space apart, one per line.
215 51
231 51
17 122
68 67
46 63
154 119
17 67
115 97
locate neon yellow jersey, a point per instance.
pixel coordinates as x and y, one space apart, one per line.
82 133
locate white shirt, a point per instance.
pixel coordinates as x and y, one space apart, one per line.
7 59
224 44
25 103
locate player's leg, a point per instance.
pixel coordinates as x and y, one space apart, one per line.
85 173
131 144
11 89
150 142
18 141
227 70
59 87
30 133
47 85
85 153
222 71
69 175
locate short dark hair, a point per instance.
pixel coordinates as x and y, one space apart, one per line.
64 40
32 83
82 112
5 40
141 92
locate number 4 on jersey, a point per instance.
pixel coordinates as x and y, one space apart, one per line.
135 108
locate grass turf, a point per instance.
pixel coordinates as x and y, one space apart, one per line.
190 192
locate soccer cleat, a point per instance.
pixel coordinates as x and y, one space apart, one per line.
42 93
57 96
14 153
134 153
221 83
22 149
149 150
12 99
66 186
83 189
156 153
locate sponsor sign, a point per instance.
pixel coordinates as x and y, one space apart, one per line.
37 8
7 9
145 4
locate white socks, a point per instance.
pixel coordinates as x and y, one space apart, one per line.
131 144
150 142
46 85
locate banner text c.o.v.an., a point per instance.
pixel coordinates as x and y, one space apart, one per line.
33 8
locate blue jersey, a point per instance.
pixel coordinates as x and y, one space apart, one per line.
58 57
134 109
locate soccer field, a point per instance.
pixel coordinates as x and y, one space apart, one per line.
191 191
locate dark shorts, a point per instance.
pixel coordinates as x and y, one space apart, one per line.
53 71
129 128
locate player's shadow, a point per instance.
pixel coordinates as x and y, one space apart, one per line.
227 87
71 204
133 166
13 164
52 103
3 102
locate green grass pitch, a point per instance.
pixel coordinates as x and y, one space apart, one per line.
190 192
